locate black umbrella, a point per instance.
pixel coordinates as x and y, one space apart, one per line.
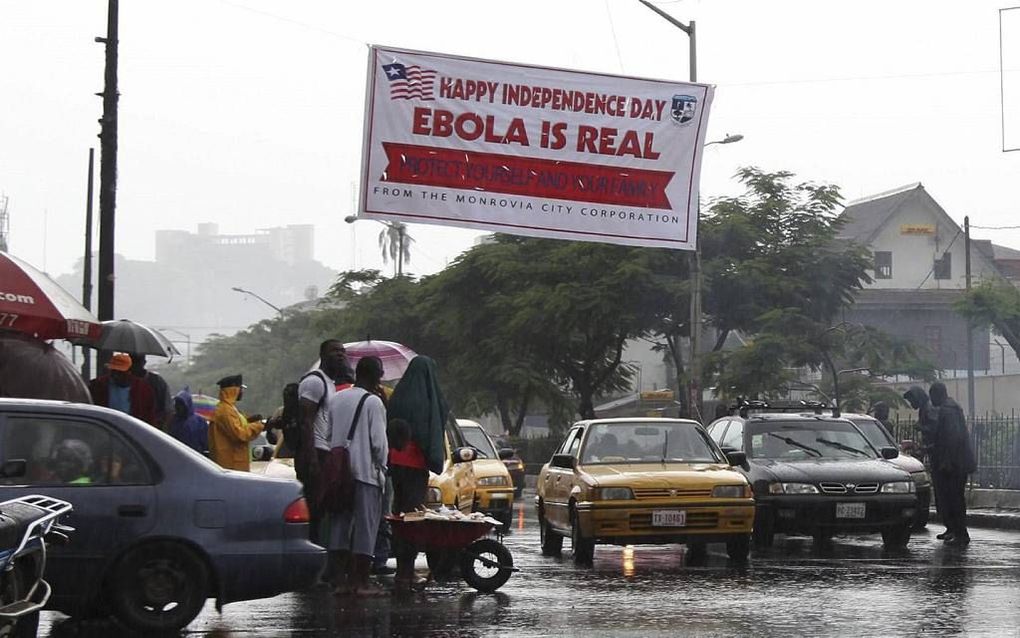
124 335
32 369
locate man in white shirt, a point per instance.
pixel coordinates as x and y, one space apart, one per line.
352 533
310 450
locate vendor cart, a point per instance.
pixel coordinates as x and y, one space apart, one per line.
485 563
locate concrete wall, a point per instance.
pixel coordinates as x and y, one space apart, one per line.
992 394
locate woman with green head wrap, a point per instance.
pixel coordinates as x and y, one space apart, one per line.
418 401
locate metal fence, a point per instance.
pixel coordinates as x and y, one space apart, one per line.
996 441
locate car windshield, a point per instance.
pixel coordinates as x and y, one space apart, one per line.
876 434
801 440
646 443
477 439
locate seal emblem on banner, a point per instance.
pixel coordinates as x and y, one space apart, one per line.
683 109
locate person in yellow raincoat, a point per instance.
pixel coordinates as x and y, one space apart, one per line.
229 430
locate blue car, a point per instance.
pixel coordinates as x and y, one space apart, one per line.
159 528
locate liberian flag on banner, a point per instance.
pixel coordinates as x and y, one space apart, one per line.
407 82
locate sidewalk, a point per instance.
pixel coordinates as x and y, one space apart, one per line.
992 509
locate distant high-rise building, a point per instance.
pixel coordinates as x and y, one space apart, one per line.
292 244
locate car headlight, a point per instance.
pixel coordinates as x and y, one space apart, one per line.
899 487
793 488
614 493
434 495
730 491
921 478
490 481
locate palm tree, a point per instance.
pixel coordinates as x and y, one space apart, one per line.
396 245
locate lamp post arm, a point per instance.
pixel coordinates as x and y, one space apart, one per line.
248 292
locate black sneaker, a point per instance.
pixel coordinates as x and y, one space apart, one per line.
383 570
943 535
958 541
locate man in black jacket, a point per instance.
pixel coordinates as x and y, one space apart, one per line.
952 460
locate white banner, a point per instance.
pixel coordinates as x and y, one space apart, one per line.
531 150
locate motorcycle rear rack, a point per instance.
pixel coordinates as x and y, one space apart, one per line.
54 508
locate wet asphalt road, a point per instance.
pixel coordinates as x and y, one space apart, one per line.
851 588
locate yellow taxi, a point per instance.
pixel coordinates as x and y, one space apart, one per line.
634 481
494 489
455 486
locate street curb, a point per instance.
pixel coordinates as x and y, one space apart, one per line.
988 519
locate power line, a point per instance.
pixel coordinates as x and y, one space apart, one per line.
616 42
944 253
996 227
299 23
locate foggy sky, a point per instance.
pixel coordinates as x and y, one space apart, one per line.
248 113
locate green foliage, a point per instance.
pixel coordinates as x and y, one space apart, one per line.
995 304
269 354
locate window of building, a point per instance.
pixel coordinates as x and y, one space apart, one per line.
883 264
944 267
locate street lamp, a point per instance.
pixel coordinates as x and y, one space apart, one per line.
729 139
694 394
248 292
401 230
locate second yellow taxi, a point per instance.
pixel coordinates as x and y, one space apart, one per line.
643 481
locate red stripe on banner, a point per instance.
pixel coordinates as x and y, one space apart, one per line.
526 176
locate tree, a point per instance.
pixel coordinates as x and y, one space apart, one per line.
994 304
777 272
495 368
395 243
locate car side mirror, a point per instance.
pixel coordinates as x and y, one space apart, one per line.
736 457
506 453
565 461
14 468
889 453
464 454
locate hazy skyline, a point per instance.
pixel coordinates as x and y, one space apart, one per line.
248 113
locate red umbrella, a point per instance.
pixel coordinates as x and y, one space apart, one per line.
31 303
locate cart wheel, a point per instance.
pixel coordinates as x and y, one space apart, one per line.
486 578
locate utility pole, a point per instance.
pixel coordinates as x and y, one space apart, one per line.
694 410
970 324
108 166
400 249
86 280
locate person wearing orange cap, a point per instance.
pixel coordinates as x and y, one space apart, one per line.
230 431
119 390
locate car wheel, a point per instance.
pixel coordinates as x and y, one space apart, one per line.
922 515
482 574
763 537
507 518
896 537
697 553
739 548
552 543
158 587
583 547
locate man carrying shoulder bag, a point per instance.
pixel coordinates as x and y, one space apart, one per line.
353 478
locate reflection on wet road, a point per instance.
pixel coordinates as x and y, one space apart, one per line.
850 588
